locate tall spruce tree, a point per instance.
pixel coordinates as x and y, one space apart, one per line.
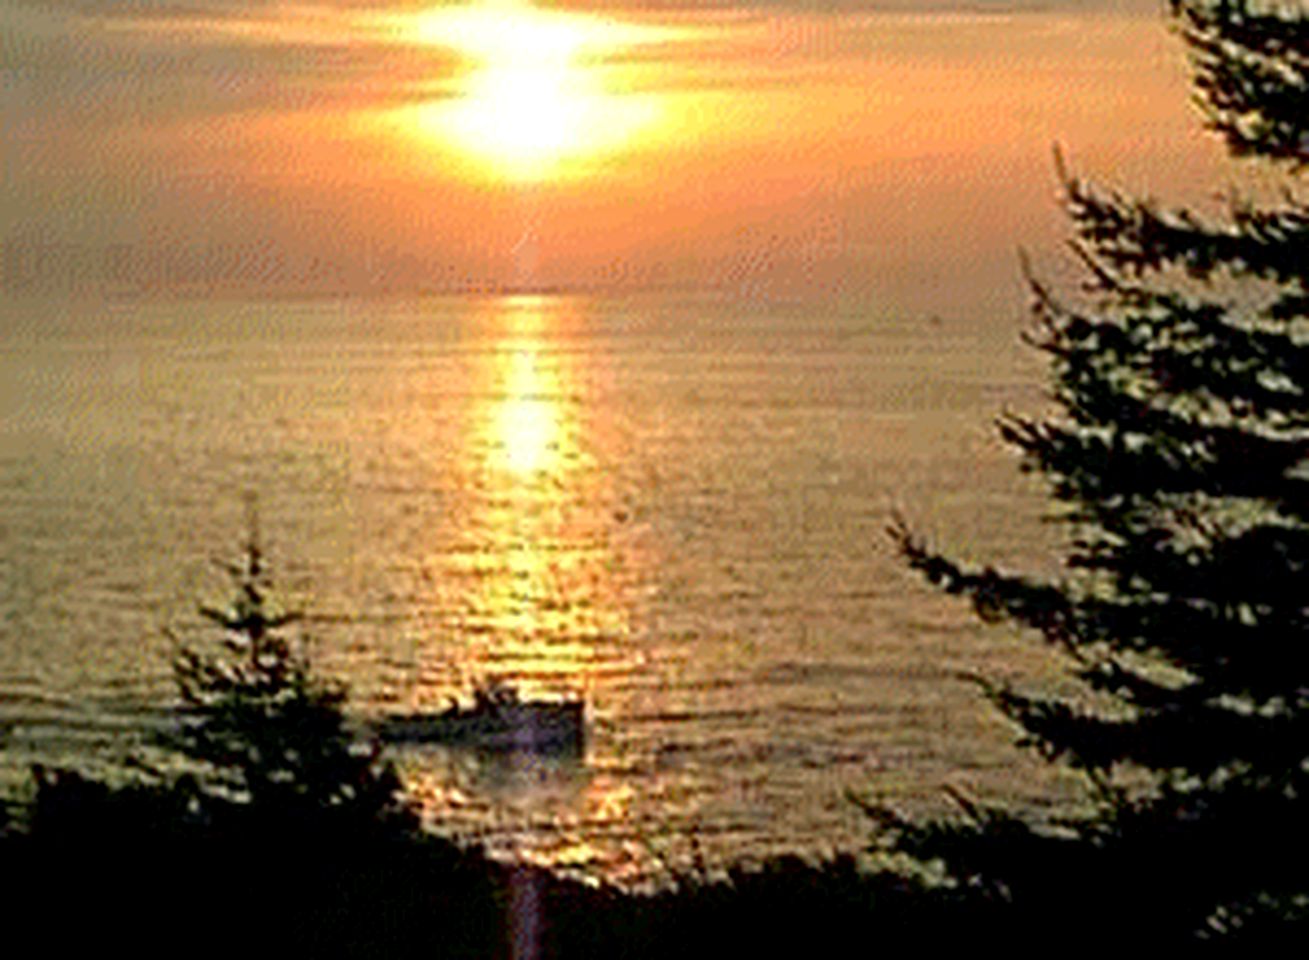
1180 461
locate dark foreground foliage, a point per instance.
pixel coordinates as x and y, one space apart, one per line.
102 867
1180 461
99 868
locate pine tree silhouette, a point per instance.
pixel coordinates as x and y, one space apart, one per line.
272 738
1179 461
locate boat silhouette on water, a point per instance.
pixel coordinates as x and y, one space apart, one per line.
498 720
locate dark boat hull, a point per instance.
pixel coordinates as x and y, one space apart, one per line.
523 727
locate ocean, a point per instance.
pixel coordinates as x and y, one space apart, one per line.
672 506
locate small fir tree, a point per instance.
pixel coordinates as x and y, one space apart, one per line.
1180 462
271 737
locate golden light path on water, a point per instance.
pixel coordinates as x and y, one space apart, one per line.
535 101
544 580
545 608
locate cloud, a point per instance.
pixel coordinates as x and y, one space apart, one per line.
108 61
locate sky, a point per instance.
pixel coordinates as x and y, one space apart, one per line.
775 147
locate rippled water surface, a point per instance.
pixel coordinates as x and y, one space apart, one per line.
674 508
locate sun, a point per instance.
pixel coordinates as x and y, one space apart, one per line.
533 104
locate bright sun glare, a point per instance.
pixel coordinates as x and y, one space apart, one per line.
533 103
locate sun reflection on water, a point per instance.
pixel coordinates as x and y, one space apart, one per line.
528 422
545 603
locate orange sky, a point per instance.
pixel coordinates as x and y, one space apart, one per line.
762 150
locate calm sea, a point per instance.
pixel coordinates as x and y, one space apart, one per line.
674 507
